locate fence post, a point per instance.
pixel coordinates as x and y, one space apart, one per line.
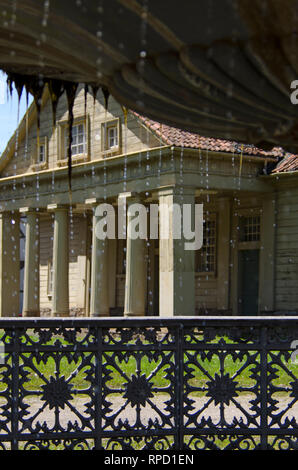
263 387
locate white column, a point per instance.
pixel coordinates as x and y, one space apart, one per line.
31 272
9 264
176 265
60 297
99 297
135 279
112 263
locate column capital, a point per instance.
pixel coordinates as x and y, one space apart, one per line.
126 194
26 210
130 196
56 207
177 190
93 201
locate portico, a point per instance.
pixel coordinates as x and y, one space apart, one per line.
70 271
103 290
173 257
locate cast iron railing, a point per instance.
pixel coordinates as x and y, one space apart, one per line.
151 383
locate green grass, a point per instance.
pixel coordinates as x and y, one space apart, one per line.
122 367
121 371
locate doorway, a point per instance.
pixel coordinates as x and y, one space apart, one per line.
248 299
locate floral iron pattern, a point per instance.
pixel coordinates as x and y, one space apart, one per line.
149 384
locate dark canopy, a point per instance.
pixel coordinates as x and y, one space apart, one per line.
221 68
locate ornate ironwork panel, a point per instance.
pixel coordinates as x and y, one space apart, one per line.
151 383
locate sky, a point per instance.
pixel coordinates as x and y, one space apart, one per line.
9 112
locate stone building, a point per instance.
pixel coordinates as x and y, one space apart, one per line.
248 263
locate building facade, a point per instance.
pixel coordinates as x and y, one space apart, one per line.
248 263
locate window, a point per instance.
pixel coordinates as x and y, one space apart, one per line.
206 256
41 154
250 228
78 145
110 136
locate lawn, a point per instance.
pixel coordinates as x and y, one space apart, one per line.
120 368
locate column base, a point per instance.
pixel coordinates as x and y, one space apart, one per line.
60 314
134 314
102 314
31 313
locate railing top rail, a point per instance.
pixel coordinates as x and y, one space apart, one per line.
148 321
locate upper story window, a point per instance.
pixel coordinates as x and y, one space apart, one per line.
79 144
40 154
206 256
110 136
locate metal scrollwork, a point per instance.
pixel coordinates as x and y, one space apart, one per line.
157 384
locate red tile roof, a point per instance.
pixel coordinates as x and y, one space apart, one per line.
173 136
287 164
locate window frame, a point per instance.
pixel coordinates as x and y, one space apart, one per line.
36 164
39 161
106 126
62 141
112 137
210 217
77 144
249 244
